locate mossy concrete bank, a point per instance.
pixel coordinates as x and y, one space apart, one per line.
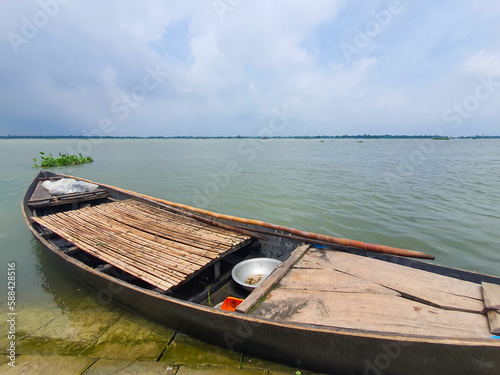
80 335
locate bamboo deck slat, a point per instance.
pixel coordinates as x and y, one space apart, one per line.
159 247
169 226
176 219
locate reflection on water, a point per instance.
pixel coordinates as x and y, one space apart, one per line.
54 280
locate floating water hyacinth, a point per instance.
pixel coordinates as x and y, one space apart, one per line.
62 160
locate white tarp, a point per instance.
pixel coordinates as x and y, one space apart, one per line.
68 186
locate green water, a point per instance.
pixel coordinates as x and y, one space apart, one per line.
438 197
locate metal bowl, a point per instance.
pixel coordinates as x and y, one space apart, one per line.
251 272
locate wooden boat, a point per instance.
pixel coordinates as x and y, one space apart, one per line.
329 308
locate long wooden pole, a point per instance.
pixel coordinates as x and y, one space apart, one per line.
281 228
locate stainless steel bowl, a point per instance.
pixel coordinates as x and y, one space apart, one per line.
251 272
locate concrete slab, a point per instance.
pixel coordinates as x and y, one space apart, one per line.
4 343
28 320
3 359
32 319
186 350
213 370
35 364
273 367
68 334
88 300
123 367
131 337
291 372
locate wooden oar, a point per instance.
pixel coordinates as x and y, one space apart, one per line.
281 228
320 239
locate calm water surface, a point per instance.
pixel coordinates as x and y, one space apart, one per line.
440 197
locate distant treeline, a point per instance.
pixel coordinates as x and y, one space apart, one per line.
364 136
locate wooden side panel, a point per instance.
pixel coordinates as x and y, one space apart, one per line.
441 291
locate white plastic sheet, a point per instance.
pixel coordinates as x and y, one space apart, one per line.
68 186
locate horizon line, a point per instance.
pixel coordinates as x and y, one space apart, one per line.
387 136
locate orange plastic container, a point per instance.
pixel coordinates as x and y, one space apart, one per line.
230 303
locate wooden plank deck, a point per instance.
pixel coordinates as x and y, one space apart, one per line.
272 279
427 287
42 198
336 289
157 246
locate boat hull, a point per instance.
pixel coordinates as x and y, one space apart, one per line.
323 349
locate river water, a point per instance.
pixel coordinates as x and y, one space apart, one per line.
441 197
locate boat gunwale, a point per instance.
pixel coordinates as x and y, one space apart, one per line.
409 338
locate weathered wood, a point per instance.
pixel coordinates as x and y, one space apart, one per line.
72 250
272 279
361 311
208 221
427 287
152 242
330 280
105 268
39 193
118 246
162 284
170 226
494 321
136 252
68 198
491 296
109 233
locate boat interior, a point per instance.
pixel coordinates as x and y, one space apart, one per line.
158 248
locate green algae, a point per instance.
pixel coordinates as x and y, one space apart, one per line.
215 370
124 367
131 337
36 364
186 350
68 334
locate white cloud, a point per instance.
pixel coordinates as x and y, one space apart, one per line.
485 63
226 75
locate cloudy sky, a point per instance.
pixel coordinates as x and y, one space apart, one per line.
249 67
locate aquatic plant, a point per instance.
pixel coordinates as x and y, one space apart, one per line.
61 161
